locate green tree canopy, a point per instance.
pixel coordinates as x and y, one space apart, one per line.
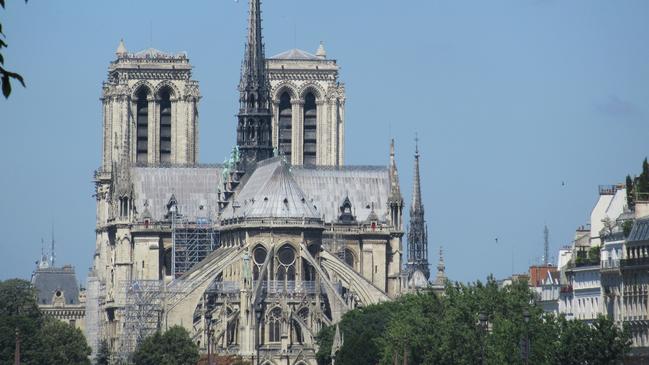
426 329
20 319
61 343
174 347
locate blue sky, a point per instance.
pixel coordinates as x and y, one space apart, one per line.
509 99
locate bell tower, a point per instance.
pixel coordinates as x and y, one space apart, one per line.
150 110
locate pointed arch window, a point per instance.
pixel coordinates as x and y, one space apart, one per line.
274 325
258 256
285 122
285 263
165 126
142 126
310 129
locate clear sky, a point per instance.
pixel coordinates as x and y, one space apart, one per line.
509 98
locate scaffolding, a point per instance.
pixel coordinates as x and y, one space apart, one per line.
192 242
142 313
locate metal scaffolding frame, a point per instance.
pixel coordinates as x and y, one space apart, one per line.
143 305
191 242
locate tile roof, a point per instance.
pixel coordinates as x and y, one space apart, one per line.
192 187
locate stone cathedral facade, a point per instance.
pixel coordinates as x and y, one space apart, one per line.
253 256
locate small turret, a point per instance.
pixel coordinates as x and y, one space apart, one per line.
321 53
121 49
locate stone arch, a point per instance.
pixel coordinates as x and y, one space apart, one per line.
351 257
285 86
140 85
174 93
314 88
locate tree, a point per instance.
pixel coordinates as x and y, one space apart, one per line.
6 75
426 329
61 343
103 354
174 347
20 321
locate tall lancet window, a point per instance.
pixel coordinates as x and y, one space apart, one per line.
142 124
165 126
310 128
285 125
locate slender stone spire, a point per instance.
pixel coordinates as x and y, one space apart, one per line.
417 205
418 232
254 119
395 200
440 279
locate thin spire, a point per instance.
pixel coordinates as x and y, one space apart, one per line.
253 75
418 232
441 268
417 204
254 128
395 190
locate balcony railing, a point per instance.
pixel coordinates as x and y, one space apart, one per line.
610 264
635 262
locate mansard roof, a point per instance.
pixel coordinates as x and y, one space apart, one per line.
295 54
271 191
49 281
640 230
191 187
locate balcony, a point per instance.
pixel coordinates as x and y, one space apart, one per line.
635 263
610 265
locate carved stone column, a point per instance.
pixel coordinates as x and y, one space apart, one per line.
297 134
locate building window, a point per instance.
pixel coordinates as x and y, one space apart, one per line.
258 256
310 129
274 325
165 126
286 263
123 207
285 122
142 126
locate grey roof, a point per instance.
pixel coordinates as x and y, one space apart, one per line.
48 281
640 230
271 191
295 54
328 187
192 187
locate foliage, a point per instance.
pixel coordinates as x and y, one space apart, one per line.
6 75
638 185
361 328
19 317
62 343
174 347
103 354
426 329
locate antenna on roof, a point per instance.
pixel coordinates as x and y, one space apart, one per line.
546 245
52 252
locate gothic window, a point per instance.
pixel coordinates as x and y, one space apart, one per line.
274 324
286 263
123 207
142 126
310 129
258 256
285 125
165 126
349 257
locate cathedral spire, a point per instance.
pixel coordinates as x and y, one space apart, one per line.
254 119
417 205
418 232
440 279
